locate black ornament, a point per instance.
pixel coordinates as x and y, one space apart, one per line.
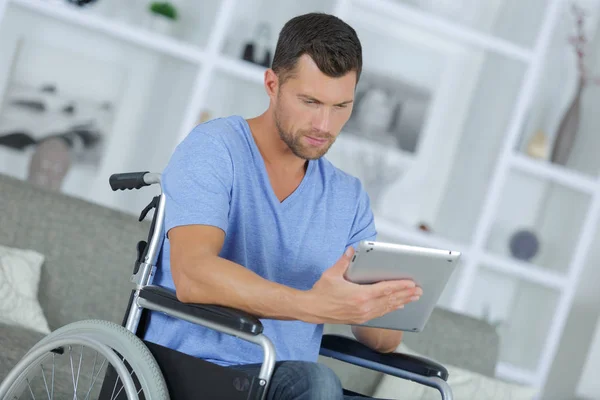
81 3
261 40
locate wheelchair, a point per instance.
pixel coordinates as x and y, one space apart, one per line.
138 369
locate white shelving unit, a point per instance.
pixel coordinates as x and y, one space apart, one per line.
484 174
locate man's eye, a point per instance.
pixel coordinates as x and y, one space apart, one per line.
309 101
341 106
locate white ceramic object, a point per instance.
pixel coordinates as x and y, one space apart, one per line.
160 24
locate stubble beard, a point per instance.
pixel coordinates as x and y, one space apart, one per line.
294 142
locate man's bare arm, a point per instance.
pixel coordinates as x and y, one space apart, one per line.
201 276
380 340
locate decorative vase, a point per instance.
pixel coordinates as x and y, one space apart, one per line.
50 163
567 130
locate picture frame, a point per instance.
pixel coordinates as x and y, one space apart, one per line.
57 111
128 84
389 111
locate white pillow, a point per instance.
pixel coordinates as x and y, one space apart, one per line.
20 271
466 385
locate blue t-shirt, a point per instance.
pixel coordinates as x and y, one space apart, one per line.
217 176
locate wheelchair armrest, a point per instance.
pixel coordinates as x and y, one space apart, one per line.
225 316
336 345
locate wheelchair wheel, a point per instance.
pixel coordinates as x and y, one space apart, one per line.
73 362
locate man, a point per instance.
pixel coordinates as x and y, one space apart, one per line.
258 220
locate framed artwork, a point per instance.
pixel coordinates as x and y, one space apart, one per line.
389 111
57 110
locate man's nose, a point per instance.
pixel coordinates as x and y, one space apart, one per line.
322 120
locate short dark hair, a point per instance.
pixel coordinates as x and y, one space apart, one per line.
330 42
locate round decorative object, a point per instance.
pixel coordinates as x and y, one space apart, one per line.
81 3
524 245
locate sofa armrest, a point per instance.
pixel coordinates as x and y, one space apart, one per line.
453 338
341 347
224 316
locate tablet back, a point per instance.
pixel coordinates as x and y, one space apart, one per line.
430 269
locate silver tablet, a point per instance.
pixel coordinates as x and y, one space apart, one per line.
429 268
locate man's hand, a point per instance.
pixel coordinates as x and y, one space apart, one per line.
335 300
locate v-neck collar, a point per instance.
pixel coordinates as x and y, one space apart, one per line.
264 175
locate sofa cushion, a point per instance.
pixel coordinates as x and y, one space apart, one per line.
465 384
89 250
19 281
15 341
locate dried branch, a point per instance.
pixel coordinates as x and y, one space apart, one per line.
579 42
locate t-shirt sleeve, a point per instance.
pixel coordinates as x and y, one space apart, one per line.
363 226
197 182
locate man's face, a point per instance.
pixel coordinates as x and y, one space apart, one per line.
311 108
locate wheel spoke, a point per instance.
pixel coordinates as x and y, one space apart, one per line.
92 376
45 383
112 396
78 371
122 387
72 373
30 391
94 381
127 358
53 362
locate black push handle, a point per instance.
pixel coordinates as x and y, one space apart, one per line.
128 180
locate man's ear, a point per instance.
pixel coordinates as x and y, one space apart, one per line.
271 83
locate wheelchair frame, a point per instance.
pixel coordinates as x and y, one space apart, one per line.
236 384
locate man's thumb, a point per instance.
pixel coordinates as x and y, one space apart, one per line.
342 264
349 252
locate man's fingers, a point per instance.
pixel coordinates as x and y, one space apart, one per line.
389 288
386 304
404 297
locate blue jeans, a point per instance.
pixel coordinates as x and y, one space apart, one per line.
302 380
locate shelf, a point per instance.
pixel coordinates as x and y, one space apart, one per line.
555 93
232 90
522 313
517 375
538 221
555 173
241 69
395 232
478 148
130 34
445 28
522 270
259 22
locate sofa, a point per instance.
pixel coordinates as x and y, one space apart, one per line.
88 252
